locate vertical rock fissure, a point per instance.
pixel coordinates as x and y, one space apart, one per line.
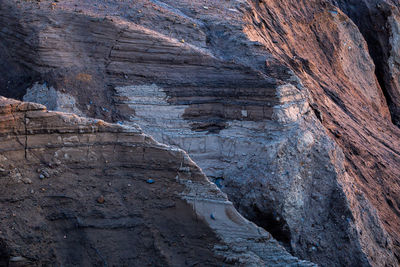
26 136
274 224
4 253
379 58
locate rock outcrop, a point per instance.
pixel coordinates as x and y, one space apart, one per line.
379 22
79 192
347 97
276 101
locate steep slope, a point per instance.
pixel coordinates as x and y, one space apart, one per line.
338 69
276 101
76 192
379 22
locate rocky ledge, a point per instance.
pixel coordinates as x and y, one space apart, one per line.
79 192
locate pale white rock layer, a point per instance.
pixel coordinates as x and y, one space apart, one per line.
287 168
244 242
52 99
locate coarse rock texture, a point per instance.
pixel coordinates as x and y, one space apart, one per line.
52 99
379 22
277 101
76 192
336 67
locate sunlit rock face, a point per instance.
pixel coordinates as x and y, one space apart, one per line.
394 63
277 102
378 21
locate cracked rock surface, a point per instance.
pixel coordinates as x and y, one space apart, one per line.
278 102
75 192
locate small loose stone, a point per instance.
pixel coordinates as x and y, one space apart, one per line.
100 200
26 180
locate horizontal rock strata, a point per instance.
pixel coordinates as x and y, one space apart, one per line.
277 102
80 191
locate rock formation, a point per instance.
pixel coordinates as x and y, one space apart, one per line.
379 22
278 102
80 192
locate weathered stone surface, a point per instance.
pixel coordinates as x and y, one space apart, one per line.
379 22
94 207
337 69
277 101
52 99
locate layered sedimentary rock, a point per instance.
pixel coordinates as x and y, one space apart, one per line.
78 191
277 102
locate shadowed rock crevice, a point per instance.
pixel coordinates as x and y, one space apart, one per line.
273 223
4 254
15 77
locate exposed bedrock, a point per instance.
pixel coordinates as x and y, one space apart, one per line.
379 22
276 101
287 175
330 56
76 192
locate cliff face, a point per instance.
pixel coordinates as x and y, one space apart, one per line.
279 103
331 57
378 21
78 192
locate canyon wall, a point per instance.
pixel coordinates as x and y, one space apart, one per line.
279 103
77 191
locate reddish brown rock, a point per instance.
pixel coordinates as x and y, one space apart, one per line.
337 69
379 22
